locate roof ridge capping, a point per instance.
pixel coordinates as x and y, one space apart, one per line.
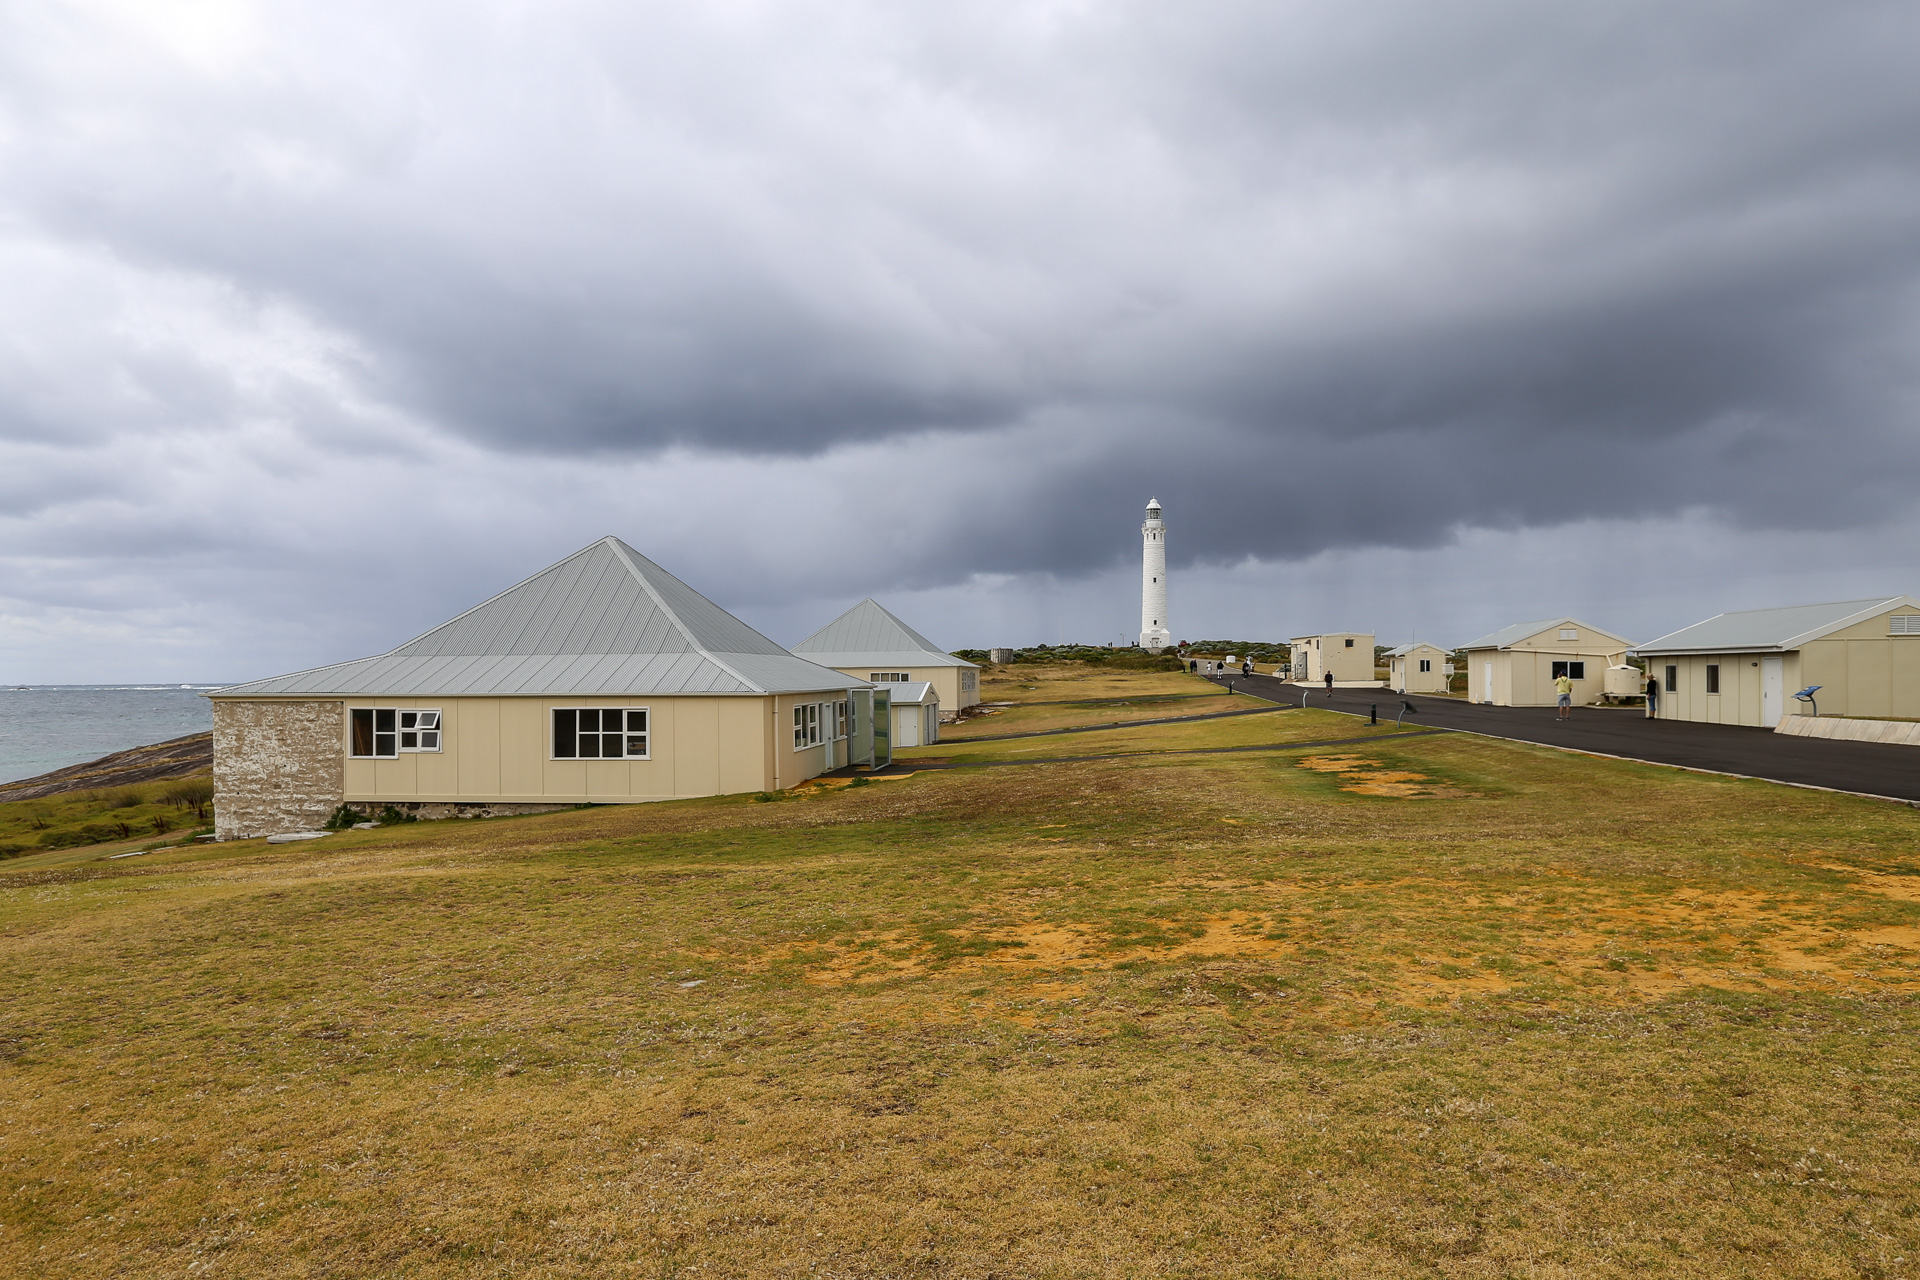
1504 637
603 620
620 552
869 630
1811 625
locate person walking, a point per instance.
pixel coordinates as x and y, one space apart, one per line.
1653 696
1329 684
1564 683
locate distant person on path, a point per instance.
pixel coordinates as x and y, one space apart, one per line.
1564 683
1329 684
1653 696
1246 668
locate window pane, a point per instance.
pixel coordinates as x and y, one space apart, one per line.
429 719
566 731
383 721
1578 670
430 741
636 744
589 746
589 722
362 732
610 746
409 741
383 744
637 721
409 719
1673 679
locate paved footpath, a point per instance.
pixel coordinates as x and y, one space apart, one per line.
1870 768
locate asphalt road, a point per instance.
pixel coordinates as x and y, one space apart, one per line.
1870 768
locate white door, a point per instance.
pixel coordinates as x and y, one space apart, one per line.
1773 690
909 727
1486 682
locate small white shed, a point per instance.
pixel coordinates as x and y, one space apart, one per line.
1417 668
916 714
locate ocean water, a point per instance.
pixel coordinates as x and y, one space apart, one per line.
45 727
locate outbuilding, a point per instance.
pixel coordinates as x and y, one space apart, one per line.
1348 654
916 714
870 644
1744 667
1418 668
602 679
1516 666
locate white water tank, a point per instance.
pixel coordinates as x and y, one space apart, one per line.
1624 682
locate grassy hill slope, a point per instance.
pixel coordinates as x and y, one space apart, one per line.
1427 1006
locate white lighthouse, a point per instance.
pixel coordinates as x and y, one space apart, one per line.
1154 635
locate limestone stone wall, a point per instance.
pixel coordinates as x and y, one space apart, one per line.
277 766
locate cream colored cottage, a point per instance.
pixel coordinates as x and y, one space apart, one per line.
1418 668
1516 666
1745 667
870 644
1347 654
603 679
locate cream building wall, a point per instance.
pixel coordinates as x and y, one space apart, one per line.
1863 671
1521 675
1405 675
958 687
1331 652
283 764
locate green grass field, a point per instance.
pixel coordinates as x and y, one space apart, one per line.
1427 1006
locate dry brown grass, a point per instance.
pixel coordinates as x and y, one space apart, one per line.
1186 1015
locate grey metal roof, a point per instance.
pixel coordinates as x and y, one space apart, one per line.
1406 649
1776 629
911 693
868 636
1507 636
605 621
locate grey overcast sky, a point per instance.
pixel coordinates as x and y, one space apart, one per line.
320 322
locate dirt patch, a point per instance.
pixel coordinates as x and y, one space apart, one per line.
1367 777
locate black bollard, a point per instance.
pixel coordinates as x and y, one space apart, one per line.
1373 714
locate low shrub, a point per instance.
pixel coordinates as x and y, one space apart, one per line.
342 818
391 816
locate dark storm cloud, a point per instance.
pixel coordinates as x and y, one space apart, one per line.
1318 276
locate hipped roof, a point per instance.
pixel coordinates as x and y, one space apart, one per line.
1778 630
605 621
1507 637
869 636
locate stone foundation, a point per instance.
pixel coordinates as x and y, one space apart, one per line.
433 811
277 766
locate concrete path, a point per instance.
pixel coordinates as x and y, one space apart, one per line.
1867 768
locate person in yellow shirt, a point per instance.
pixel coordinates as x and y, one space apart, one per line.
1564 683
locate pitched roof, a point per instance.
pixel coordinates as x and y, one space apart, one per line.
1778 629
604 621
1507 637
868 636
1406 649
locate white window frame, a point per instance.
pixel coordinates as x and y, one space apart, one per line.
806 725
889 677
626 733
1565 666
410 736
1569 633
1426 665
1904 624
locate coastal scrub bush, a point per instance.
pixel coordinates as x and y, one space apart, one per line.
391 816
343 817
